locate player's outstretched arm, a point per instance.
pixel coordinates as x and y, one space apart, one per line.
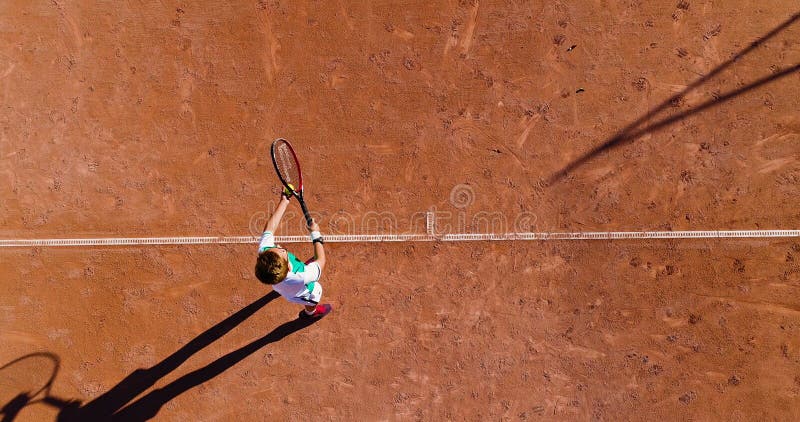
275 219
319 249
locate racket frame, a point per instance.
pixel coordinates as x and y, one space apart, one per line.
297 192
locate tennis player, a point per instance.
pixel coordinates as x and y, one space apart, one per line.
295 280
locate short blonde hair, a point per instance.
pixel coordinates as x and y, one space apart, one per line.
271 268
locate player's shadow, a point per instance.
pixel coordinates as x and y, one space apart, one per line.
43 363
149 405
113 405
633 131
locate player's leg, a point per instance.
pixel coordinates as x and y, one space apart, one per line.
313 297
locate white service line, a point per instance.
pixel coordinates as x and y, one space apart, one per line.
350 238
708 234
430 236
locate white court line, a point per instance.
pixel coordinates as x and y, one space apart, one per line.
461 237
116 241
430 236
708 234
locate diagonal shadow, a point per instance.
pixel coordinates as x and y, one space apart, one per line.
629 133
148 406
104 406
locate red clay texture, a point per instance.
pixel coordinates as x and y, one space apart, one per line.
150 119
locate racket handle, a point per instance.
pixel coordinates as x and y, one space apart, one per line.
305 210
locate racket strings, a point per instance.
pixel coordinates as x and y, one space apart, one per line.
29 375
287 165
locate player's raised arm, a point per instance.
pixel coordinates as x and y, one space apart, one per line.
319 249
275 219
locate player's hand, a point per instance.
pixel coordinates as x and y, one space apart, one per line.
287 193
314 227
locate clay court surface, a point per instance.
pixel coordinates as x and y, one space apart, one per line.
151 119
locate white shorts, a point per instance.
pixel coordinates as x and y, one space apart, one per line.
308 297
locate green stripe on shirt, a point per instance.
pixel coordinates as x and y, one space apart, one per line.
298 266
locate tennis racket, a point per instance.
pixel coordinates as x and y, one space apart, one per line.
288 168
25 379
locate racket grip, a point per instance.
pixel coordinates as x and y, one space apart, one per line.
305 212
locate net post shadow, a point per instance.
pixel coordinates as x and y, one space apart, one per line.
104 406
629 133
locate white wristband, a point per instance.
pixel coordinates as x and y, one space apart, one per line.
315 235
